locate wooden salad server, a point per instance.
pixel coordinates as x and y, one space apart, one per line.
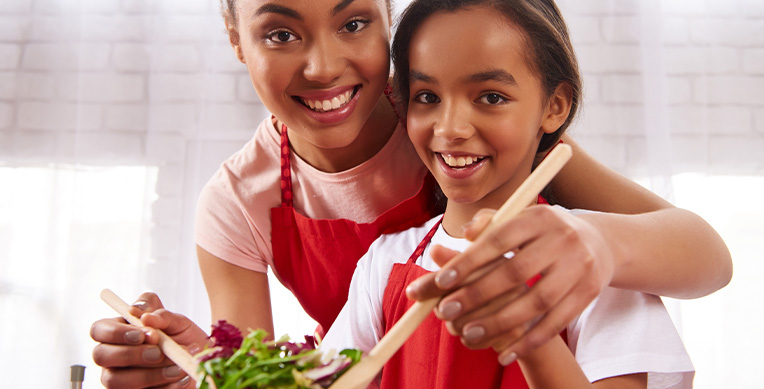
169 347
360 375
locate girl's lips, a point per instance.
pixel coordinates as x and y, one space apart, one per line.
450 164
332 106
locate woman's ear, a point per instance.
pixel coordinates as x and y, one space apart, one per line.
233 37
558 108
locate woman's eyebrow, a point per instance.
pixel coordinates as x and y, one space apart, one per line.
494 75
278 9
342 5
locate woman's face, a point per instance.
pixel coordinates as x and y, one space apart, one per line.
476 109
320 66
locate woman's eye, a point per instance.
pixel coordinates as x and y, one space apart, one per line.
281 37
493 99
355 25
426 98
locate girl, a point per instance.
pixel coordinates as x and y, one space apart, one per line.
490 85
350 173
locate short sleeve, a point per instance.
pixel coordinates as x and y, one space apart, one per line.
626 332
222 227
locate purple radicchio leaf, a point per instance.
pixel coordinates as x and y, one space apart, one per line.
326 372
225 337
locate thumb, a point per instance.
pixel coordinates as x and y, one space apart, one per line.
184 331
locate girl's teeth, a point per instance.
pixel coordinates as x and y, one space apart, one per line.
460 161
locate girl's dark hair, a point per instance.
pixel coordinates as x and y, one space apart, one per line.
552 57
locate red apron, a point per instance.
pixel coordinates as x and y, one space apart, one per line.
432 357
315 259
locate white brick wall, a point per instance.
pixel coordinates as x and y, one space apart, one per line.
142 80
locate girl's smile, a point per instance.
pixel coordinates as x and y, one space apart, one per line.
460 165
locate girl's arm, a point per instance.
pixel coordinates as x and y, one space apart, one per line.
661 250
553 366
237 295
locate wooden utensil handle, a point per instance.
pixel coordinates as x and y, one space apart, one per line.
169 347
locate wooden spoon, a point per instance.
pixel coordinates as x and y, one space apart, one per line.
360 375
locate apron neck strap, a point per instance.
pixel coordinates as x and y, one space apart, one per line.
287 199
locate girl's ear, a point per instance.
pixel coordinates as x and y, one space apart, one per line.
558 108
233 37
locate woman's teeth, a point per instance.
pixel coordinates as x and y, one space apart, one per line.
328 105
460 161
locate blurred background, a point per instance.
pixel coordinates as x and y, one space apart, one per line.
114 113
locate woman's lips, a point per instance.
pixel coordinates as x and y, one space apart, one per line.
329 108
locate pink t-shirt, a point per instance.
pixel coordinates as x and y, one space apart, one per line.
233 210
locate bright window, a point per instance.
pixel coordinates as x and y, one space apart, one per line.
66 232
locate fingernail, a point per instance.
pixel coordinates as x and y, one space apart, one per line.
508 359
152 354
172 371
194 349
446 279
184 381
451 309
133 336
474 333
140 304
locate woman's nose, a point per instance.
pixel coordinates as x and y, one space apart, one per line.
325 61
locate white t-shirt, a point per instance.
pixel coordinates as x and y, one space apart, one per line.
233 211
621 332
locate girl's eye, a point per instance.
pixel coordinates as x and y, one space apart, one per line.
355 25
281 37
493 99
426 98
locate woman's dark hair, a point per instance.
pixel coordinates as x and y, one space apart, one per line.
552 56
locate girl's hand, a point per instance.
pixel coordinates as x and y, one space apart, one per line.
570 253
130 356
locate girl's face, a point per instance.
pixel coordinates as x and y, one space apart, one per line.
320 66
476 110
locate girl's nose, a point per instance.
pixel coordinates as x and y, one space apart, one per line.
325 61
453 124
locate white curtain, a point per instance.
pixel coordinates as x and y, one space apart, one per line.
113 114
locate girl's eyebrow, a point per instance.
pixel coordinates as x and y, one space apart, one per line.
278 9
494 75
342 5
415 75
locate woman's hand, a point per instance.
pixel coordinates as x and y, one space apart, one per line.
569 252
130 356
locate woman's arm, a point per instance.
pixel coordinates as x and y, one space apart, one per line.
659 249
237 295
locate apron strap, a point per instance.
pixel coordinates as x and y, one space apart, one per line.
423 244
286 172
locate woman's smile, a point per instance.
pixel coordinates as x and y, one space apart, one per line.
330 107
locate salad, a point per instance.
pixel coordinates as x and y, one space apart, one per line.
238 362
